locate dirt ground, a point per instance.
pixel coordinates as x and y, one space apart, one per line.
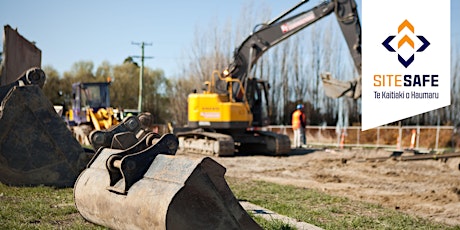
425 188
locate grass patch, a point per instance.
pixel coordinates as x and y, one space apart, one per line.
272 224
326 211
39 208
50 208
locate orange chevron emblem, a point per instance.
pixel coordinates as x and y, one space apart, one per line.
408 40
405 39
404 25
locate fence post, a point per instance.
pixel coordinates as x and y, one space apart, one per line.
335 140
412 139
437 132
437 136
342 138
358 131
418 136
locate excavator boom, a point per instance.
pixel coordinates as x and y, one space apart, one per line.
269 34
224 119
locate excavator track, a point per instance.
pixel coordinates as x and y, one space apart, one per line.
242 142
262 142
206 143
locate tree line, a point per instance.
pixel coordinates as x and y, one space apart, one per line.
293 69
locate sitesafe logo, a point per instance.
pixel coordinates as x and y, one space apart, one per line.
405 43
406 40
406 59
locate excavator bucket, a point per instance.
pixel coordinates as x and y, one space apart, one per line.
144 185
36 148
335 88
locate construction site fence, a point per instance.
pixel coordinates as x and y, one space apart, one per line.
437 138
395 137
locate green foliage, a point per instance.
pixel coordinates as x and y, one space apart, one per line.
52 87
82 71
124 89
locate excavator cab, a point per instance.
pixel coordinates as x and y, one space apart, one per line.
85 97
217 107
90 109
233 100
224 118
94 95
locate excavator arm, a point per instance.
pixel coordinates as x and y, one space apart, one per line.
271 33
226 117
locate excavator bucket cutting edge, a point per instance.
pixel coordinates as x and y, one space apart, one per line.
335 88
174 193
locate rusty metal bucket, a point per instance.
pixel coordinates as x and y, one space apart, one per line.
36 148
146 186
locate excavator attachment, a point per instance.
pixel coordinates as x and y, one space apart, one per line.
336 88
135 181
36 148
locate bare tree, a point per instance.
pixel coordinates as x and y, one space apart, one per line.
284 73
177 93
455 83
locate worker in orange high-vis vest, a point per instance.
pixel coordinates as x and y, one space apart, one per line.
298 126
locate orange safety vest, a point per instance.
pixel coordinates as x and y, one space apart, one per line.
298 117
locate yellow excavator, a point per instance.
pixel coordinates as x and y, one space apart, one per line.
228 115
